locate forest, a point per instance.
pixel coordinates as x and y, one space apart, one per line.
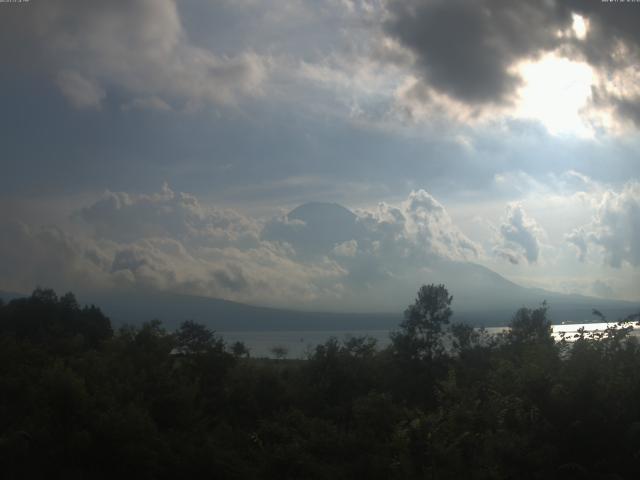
80 399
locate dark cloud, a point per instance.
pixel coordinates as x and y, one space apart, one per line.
628 108
465 49
611 25
137 48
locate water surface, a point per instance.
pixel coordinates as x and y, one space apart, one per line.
300 343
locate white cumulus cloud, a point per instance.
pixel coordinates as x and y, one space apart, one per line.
614 229
519 236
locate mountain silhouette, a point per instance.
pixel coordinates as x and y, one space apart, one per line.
315 228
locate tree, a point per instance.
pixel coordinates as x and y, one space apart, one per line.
57 322
463 336
420 335
280 352
531 326
600 315
194 338
239 349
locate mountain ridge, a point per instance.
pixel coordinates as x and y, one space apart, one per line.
226 315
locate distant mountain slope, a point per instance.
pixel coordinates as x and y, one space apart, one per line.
7 296
482 296
223 315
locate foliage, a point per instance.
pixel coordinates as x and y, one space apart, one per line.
531 326
420 335
280 352
442 401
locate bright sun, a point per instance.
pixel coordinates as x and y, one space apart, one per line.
555 91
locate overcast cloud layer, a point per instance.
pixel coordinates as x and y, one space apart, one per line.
503 133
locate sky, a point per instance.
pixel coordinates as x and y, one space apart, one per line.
161 144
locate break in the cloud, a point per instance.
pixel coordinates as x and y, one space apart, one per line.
615 228
480 66
519 236
139 48
473 64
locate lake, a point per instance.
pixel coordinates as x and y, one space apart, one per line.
299 343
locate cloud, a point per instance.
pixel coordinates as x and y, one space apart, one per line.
519 236
615 228
265 274
169 241
384 251
419 227
381 250
317 256
346 249
139 48
48 256
602 289
466 49
122 217
373 62
578 238
148 103
467 55
432 228
81 92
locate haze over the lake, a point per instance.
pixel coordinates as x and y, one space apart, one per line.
320 154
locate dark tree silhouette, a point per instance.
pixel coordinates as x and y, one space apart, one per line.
78 401
194 338
239 349
420 335
56 322
531 326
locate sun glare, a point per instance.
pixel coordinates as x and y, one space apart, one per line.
555 92
580 26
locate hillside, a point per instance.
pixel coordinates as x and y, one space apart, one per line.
224 315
